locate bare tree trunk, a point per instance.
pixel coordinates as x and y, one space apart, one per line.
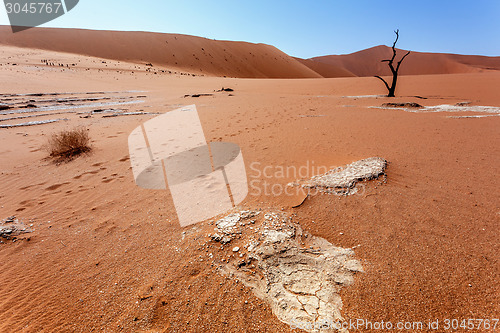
390 62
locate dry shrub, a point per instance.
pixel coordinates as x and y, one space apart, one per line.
403 105
68 144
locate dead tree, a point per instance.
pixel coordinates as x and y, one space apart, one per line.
395 70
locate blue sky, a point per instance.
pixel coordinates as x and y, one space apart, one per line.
305 28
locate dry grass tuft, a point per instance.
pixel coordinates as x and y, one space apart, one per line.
68 144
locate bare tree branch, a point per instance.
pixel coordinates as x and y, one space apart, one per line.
394 48
386 84
400 61
397 37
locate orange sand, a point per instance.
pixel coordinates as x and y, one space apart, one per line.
106 255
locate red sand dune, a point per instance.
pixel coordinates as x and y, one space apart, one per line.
235 59
177 52
326 70
368 62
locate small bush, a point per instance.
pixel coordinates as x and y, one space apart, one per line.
68 144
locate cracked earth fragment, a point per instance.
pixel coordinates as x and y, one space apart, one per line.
297 274
343 180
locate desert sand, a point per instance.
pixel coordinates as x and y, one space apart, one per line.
191 54
103 254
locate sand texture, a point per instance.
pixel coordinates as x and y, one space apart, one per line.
83 248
